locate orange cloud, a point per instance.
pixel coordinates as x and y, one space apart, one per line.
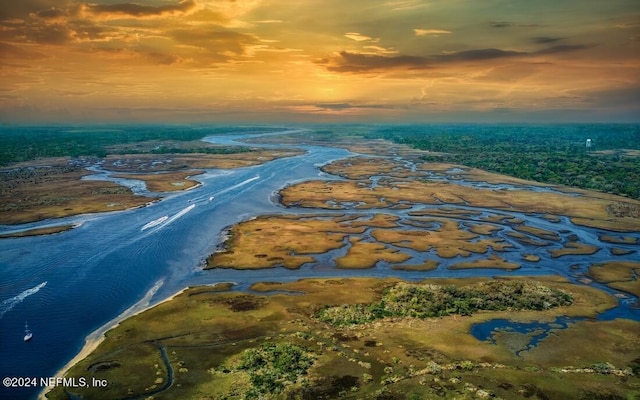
10 51
325 57
136 10
430 32
214 40
358 37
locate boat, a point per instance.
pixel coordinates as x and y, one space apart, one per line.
27 333
155 222
211 198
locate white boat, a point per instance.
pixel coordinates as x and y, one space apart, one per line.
154 222
211 198
27 333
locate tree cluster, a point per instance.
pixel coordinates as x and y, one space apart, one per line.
272 366
424 301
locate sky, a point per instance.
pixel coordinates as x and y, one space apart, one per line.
319 61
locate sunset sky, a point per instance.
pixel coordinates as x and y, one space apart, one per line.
320 61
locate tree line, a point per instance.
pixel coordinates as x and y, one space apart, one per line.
555 154
22 143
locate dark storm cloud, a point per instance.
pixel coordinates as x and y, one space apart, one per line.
501 24
161 58
545 39
22 8
356 62
564 48
136 10
37 31
334 106
84 29
52 12
507 24
47 33
478 55
346 106
43 23
346 61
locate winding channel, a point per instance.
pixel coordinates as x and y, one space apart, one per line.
74 285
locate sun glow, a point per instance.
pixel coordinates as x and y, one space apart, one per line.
89 61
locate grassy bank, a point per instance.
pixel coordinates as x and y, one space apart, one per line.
214 343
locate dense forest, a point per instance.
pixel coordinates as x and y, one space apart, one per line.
555 154
28 143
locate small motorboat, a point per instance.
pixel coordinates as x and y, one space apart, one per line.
27 333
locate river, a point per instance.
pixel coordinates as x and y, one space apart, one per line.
71 284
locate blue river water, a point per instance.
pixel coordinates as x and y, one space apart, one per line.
84 280
538 330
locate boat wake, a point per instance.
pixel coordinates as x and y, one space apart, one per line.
245 182
154 222
180 214
8 304
240 184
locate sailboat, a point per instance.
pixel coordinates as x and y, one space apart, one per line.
27 333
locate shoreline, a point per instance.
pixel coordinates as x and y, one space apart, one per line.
20 232
38 231
74 225
344 291
93 339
